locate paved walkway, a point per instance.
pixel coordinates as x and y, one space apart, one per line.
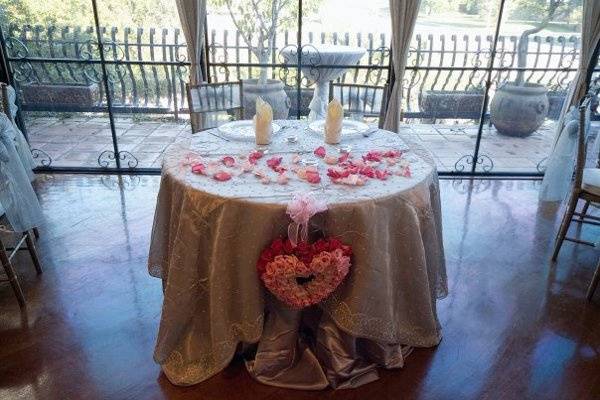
78 142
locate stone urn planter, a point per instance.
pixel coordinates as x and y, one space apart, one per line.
61 95
306 95
519 110
458 104
272 92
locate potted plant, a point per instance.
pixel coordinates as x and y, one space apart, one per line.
519 108
257 23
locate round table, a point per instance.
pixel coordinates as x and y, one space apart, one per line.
208 235
320 65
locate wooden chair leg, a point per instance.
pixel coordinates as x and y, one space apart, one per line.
584 210
594 283
33 252
12 276
564 226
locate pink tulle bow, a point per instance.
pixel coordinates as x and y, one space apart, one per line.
300 209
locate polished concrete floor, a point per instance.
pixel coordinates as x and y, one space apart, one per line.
515 326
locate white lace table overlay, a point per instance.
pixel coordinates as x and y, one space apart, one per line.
209 146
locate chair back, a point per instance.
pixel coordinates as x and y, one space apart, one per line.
367 100
581 136
219 97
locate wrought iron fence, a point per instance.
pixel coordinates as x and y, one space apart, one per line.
58 68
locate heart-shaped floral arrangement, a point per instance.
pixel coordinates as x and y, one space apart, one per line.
299 273
306 274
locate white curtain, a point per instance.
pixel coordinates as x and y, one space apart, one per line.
192 14
404 15
560 162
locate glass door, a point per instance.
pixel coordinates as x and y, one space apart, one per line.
53 55
537 58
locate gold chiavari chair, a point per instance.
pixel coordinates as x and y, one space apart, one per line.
212 98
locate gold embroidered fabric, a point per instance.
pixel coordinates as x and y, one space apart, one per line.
207 237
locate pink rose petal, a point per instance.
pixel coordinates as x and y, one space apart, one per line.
392 154
368 171
198 168
275 164
274 161
301 173
222 176
283 179
228 161
247 167
382 175
343 158
254 156
331 160
320 151
373 155
313 177
352 180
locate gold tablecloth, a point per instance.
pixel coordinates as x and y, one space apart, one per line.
207 237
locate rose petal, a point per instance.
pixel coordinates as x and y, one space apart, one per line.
274 161
382 175
373 155
392 153
320 151
254 156
228 161
367 171
301 173
283 179
331 160
198 168
247 167
313 177
222 176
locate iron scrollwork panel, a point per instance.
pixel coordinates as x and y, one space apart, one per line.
108 157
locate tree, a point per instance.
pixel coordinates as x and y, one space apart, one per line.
260 19
120 13
553 10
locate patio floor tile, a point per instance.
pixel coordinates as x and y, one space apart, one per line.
78 141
